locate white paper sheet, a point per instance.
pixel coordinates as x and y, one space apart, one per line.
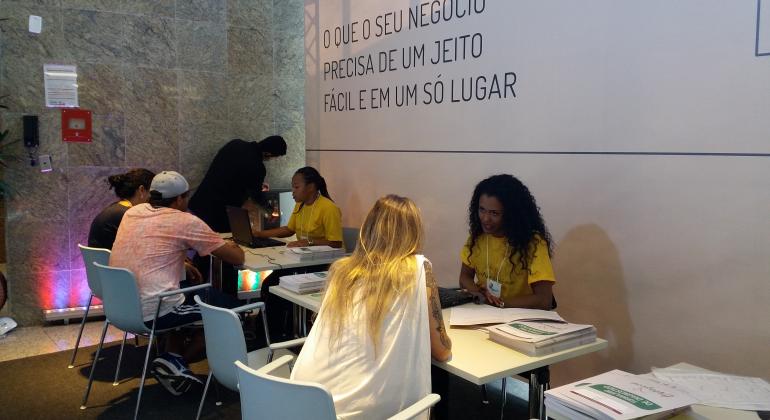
719 390
471 314
61 86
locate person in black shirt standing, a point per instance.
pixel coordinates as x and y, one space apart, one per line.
236 174
132 188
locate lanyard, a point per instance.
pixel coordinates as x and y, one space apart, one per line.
502 260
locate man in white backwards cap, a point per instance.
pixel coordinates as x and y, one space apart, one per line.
152 242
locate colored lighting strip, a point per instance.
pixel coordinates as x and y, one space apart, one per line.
70 313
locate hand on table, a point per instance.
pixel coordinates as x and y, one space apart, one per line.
295 244
491 299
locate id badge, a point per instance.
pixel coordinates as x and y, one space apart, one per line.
494 287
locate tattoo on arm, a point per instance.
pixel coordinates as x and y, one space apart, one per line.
435 306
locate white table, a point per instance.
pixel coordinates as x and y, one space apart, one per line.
278 257
479 360
271 258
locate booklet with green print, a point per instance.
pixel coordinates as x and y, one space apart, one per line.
538 338
616 395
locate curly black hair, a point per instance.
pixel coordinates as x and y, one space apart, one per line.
522 220
125 185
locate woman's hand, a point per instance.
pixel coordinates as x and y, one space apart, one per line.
295 244
491 299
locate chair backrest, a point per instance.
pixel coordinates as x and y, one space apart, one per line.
120 296
90 256
350 238
264 396
224 343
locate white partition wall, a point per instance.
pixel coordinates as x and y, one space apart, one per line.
642 128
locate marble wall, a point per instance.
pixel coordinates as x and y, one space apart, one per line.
168 82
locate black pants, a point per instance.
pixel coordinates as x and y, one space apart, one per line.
440 385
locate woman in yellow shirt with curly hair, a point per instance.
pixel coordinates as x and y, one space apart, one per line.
506 258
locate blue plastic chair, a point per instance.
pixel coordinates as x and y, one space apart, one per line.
266 396
350 239
226 344
102 256
123 309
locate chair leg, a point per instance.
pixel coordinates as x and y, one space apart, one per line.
484 398
219 395
93 365
80 333
120 358
136 340
203 398
505 397
264 326
144 373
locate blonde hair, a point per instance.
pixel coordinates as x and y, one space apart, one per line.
381 268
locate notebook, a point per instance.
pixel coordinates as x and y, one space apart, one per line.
240 225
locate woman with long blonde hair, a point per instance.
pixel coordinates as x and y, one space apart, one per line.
380 321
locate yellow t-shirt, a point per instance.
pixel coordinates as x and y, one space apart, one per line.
498 265
320 220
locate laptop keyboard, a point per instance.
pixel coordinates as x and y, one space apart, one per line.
266 242
453 297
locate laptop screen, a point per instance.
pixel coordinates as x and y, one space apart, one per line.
240 225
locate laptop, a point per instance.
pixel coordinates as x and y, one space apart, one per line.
240 225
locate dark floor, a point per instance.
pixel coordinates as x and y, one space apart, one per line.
42 387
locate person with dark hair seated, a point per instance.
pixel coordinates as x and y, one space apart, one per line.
152 241
316 220
132 188
506 259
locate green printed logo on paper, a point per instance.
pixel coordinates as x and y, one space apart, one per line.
528 329
631 398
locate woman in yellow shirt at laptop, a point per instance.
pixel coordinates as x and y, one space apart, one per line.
508 249
316 219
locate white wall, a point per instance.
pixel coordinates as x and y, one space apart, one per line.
642 128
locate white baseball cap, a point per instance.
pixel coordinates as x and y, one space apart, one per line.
169 184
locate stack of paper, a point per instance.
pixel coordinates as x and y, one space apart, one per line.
616 395
304 283
318 252
471 314
538 338
718 389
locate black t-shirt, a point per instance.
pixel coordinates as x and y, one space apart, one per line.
236 173
105 226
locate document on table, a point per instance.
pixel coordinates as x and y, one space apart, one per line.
471 314
719 390
616 395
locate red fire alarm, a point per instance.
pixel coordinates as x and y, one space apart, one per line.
76 125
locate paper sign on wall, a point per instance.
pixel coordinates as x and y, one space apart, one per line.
61 86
